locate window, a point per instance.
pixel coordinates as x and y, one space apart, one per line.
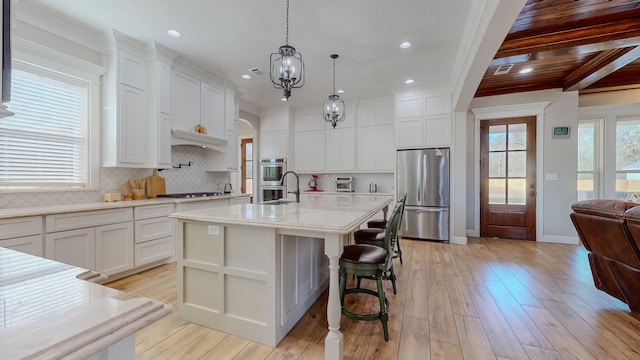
627 156
46 142
247 166
588 156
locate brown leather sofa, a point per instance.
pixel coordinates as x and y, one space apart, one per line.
610 231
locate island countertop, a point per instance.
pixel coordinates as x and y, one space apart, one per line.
340 214
48 312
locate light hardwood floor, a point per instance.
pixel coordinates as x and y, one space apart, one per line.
490 299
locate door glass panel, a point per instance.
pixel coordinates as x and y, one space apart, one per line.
517 163
518 137
497 164
517 194
586 186
497 191
497 137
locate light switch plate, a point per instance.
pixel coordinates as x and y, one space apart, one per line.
213 230
551 177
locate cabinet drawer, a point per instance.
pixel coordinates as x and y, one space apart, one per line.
151 229
154 250
27 244
152 211
77 220
22 226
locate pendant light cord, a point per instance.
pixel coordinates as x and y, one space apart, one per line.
334 76
287 39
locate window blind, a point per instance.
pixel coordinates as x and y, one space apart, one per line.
45 142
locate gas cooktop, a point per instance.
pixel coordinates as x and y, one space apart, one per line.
191 195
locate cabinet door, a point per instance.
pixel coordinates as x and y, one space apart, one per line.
73 247
437 130
310 151
409 132
114 248
409 107
367 145
385 148
132 121
341 150
212 111
232 155
164 87
273 144
437 105
133 70
230 110
185 101
164 140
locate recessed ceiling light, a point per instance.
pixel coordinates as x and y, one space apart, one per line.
246 76
408 81
174 33
526 70
405 45
340 91
284 99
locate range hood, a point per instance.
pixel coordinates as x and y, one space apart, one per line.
182 137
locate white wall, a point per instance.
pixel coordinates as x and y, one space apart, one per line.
556 156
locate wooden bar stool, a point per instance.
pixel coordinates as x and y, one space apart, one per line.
374 235
371 262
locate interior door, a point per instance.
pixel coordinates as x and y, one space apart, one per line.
508 178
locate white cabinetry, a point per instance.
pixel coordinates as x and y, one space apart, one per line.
126 106
423 120
376 136
212 110
185 101
22 234
100 240
274 135
160 106
154 234
309 141
230 159
341 150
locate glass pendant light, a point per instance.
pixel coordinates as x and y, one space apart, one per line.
334 107
287 67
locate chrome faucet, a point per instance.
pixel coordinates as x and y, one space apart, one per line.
297 192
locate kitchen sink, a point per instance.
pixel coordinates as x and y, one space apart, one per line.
277 202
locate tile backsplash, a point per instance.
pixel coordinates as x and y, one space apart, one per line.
385 182
186 179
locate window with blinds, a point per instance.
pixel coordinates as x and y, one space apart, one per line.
45 143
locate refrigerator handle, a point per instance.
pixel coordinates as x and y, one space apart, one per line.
423 175
420 184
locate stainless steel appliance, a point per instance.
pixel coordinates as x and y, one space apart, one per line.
227 188
423 174
271 171
344 184
273 192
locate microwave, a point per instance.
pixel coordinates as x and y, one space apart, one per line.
344 184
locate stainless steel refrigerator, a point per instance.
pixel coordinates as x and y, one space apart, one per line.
423 174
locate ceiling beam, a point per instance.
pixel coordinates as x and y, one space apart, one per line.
580 36
603 64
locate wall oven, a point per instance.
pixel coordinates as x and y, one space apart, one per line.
273 192
271 171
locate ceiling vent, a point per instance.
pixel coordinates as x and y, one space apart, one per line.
257 71
503 69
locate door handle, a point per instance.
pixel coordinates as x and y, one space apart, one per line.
533 193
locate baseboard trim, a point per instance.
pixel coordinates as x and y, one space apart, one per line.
459 240
569 240
473 233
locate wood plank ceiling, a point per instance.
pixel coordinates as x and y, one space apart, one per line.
584 45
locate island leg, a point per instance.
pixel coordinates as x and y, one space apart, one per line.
333 343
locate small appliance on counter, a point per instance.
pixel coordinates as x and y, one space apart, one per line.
344 184
227 188
373 187
313 184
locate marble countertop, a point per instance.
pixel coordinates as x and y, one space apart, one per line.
55 209
47 312
324 213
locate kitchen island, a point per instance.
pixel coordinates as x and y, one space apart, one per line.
253 270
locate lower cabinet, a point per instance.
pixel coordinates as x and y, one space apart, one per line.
22 234
154 234
107 249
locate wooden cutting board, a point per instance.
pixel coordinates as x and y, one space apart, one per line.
155 185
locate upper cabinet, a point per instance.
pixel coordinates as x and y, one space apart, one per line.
126 111
375 136
423 120
185 101
160 106
230 159
274 134
309 140
212 114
